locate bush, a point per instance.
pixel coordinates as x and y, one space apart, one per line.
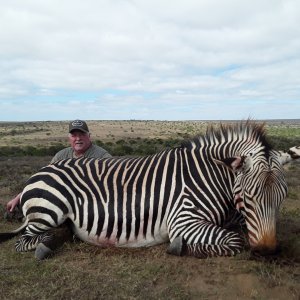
138 146
30 151
283 142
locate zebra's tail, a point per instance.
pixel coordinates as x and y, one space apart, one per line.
5 236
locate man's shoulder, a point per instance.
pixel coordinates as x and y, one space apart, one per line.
63 154
98 152
65 151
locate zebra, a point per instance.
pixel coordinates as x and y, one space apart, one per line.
184 195
294 152
286 157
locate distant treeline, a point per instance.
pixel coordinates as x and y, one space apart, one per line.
130 147
14 132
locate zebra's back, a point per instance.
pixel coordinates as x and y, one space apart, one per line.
121 202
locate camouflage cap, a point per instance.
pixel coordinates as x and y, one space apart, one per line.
78 125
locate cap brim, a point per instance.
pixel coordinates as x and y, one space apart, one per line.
80 129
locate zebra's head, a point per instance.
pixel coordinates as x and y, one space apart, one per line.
294 152
259 190
256 178
259 185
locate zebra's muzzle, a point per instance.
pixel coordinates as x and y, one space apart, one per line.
266 246
265 252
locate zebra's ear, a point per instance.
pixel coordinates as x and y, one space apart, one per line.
233 163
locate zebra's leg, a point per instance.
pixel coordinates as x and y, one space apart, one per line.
58 237
45 242
235 221
177 247
31 238
229 245
220 242
191 234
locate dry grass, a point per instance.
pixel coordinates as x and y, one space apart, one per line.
53 133
81 271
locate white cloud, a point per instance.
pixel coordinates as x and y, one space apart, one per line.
188 52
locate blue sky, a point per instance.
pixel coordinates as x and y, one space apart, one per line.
140 59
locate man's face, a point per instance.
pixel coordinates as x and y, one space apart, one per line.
79 141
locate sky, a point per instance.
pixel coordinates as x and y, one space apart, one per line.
149 59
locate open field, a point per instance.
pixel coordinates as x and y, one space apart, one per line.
52 133
81 271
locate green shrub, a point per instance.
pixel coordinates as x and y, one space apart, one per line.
30 151
283 142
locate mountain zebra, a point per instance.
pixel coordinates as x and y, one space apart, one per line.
294 152
185 195
286 157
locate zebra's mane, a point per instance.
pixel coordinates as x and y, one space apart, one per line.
226 133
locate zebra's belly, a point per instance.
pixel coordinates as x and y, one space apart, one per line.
139 241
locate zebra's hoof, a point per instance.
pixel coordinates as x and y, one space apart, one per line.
177 247
42 252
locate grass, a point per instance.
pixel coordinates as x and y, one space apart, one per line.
82 271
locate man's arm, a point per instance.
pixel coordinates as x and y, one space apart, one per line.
10 206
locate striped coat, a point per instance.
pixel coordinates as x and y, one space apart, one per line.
184 195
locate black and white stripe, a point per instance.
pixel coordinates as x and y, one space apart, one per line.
184 194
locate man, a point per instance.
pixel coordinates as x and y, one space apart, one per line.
80 146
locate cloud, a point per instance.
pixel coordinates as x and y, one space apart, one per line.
188 54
